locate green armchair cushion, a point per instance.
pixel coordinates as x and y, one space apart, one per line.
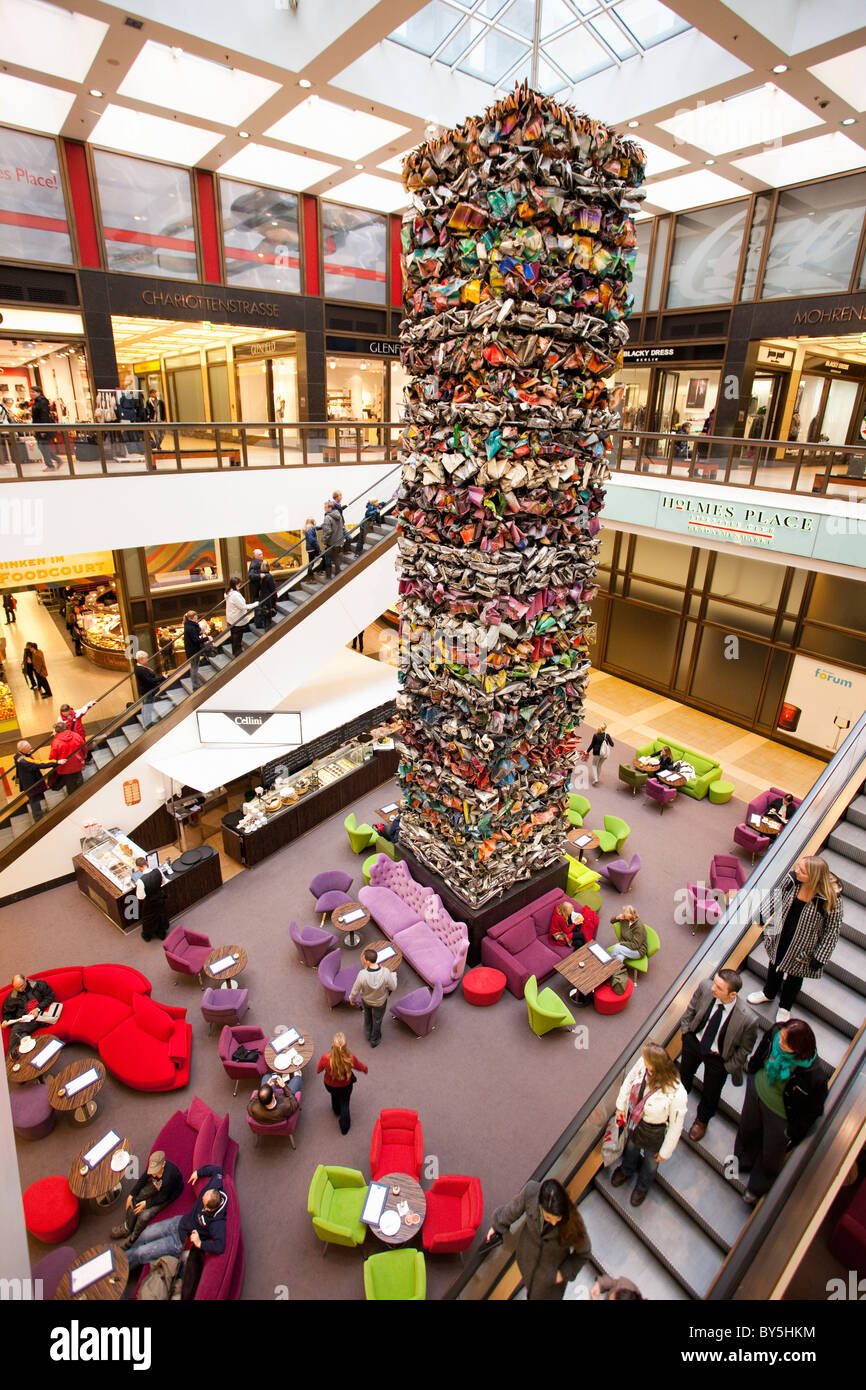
396 1274
335 1202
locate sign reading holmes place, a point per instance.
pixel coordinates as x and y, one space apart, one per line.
732 521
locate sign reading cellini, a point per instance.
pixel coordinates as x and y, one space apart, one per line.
56 569
242 726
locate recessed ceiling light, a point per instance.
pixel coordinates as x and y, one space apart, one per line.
633 125
333 129
709 161
304 82
95 92
781 67
849 120
244 134
359 166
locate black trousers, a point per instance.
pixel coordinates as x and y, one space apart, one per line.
340 1099
714 1076
237 631
154 917
42 682
791 986
761 1142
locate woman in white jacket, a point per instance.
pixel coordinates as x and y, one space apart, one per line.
653 1101
237 613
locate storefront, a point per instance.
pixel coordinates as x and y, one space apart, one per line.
809 390
364 379
666 388
43 350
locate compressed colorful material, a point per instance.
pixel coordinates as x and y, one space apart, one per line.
517 257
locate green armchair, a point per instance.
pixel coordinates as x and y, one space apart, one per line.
360 836
578 807
396 1274
546 1010
652 945
582 886
632 777
335 1202
614 835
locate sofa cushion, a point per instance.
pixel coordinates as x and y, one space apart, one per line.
151 1018
65 983
197 1113
391 913
138 1059
539 959
426 953
177 1048
220 1141
89 1017
521 935
119 981
541 918
204 1143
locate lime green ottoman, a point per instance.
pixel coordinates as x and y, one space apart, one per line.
720 792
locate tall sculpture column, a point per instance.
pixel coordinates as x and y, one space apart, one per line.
517 258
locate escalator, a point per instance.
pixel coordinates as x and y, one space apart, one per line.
694 1237
126 736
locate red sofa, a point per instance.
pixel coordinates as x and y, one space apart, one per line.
191 1139
144 1044
397 1145
520 945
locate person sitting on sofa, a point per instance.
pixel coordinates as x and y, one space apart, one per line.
632 936
666 760
571 925
782 807
272 1104
22 1007
161 1185
204 1225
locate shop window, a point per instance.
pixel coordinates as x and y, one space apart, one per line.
179 563
261 241
655 593
726 684
661 560
706 256
814 240
663 231
757 236
838 601
747 581
33 225
835 646
773 690
642 642
147 217
354 254
633 383
686 656
736 618
643 232
355 391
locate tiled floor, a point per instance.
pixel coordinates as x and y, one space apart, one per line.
751 762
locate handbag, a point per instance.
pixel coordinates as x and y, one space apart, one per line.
245 1054
613 1143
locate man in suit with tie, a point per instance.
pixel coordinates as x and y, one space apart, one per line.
719 1032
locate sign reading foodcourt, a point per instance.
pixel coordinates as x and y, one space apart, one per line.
55 569
732 521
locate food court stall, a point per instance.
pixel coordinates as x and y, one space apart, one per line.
104 873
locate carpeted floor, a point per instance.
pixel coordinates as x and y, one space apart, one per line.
491 1096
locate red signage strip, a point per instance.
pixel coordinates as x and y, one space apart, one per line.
82 204
356 271
396 270
30 219
311 243
170 243
208 223
240 253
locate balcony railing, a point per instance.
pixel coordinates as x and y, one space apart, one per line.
127 450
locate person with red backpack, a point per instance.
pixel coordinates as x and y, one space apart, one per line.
69 747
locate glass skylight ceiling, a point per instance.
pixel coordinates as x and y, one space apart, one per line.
493 40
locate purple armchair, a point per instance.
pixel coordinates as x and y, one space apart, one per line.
727 873
657 791
749 839
186 951
51 1269
230 1039
224 1006
311 943
284 1129
704 908
758 807
336 982
620 874
331 889
418 1010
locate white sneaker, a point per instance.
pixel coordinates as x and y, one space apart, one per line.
782 1015
757 998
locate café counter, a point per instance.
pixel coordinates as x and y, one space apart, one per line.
195 874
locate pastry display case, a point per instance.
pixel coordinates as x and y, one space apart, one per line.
104 641
171 635
104 874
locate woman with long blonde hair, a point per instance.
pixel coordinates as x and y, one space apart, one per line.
801 928
652 1102
339 1066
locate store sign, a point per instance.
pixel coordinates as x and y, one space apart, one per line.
680 352
822 702
29 322
838 313
55 569
132 792
364 347
270 347
241 726
776 357
162 299
733 521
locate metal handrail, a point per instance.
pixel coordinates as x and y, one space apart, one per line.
583 1135
177 672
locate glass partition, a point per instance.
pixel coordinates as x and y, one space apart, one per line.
706 256
33 225
354 254
757 234
147 216
663 231
815 236
261 241
644 233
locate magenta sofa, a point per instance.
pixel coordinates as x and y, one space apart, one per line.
520 945
191 1139
412 916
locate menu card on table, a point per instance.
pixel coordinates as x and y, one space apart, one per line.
100 1150
354 916
80 1083
48 1051
392 806
91 1271
599 952
582 840
222 964
377 1196
387 953
283 1041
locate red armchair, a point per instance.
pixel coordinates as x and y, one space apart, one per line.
398 1144
455 1206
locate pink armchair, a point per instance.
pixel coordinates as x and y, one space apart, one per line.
186 951
727 873
284 1129
250 1037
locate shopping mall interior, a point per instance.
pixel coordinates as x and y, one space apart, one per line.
432 468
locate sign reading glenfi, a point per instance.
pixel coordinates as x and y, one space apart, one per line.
233 726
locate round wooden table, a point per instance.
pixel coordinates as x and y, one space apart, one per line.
577 834
226 977
82 1106
22 1070
411 1192
387 816
106 1290
101 1184
393 962
351 930
648 765
305 1049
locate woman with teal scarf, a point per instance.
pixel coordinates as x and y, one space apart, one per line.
785 1093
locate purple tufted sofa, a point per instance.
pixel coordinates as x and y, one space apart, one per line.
412 916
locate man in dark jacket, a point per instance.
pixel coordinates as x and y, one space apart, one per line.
22 1007
270 1106
194 641
332 539
40 414
204 1224
147 683
31 777
161 1185
719 1032
254 575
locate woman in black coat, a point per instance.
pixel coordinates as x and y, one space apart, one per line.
552 1244
267 597
786 1089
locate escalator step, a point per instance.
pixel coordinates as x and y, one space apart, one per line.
164 707
619 1251
102 755
850 874
132 731
848 964
218 661
854 922
676 1241
176 695
712 1201
856 812
717 1146
850 840
117 744
828 998
832 1045
89 771
19 825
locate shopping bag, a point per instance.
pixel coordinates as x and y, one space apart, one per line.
613 1143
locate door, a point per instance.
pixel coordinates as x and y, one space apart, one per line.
666 402
762 421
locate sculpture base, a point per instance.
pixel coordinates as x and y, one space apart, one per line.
480 919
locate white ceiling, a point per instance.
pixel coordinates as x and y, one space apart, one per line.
327 96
